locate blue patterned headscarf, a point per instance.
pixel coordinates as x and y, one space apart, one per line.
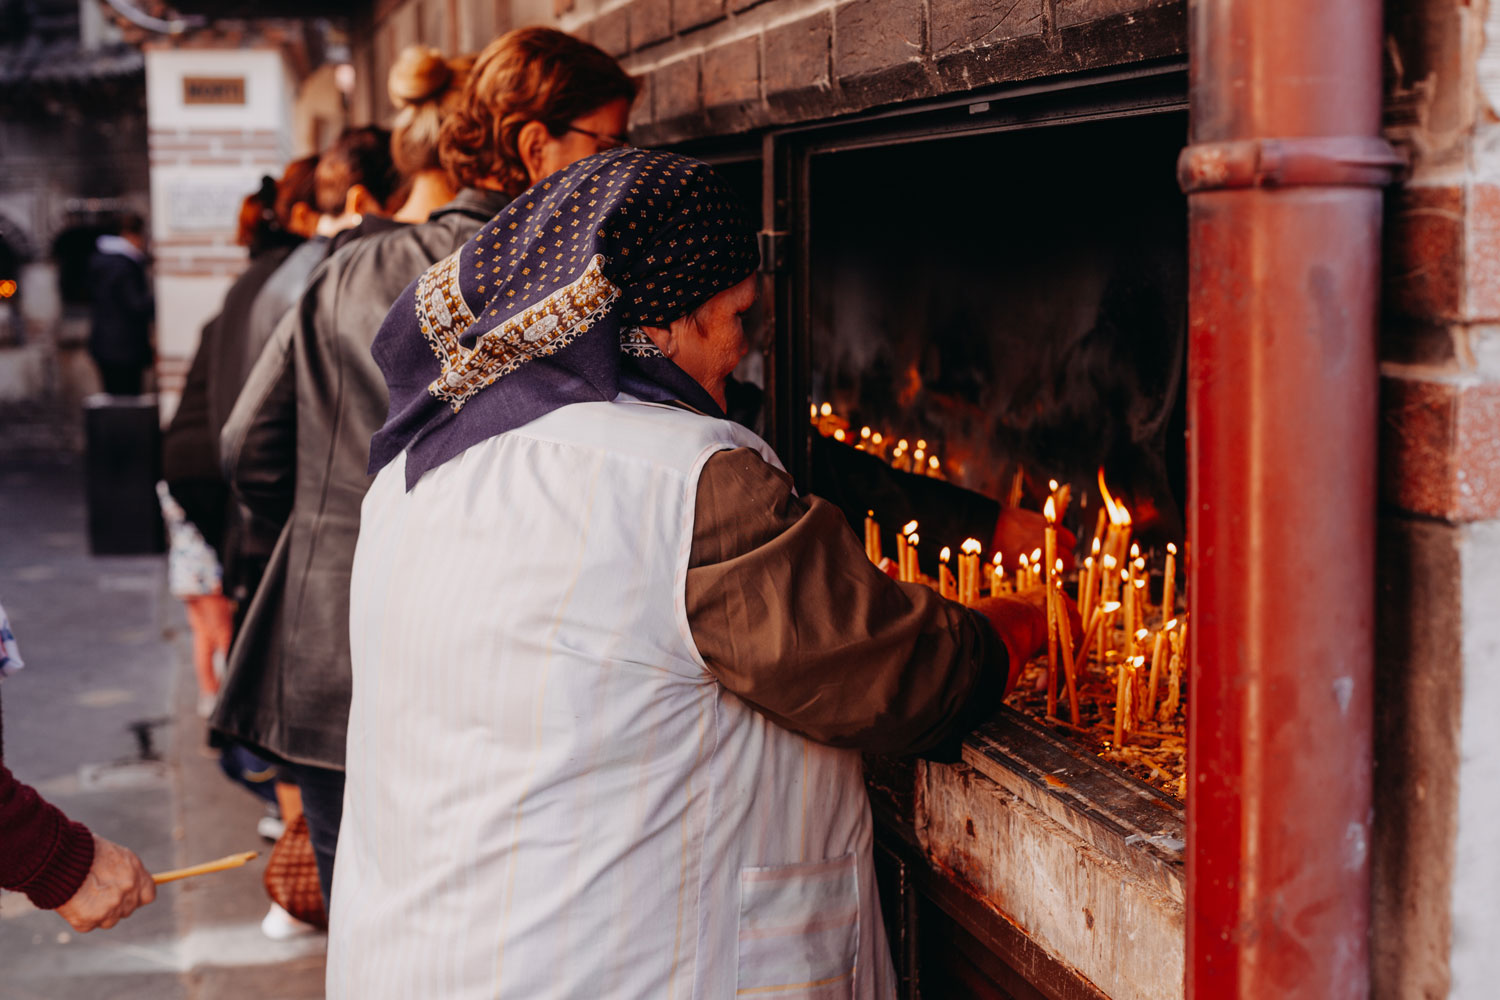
544 306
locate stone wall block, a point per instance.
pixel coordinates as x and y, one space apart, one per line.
956 25
643 112
731 73
675 89
1439 447
689 14
611 32
797 54
1424 251
876 35
650 22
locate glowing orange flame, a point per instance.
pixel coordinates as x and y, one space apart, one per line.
1049 511
911 526
946 554
1118 515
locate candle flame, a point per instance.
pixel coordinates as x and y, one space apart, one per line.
870 513
1109 563
997 559
1141 635
1139 661
1169 626
1058 567
1052 485
876 438
1124 576
1036 555
1171 548
1095 548
901 444
1110 607
1049 511
921 443
814 408
1118 515
1088 562
826 409
1140 585
1140 563
911 526
932 463
946 554
1135 550
838 434
1024 561
864 432
972 545
913 539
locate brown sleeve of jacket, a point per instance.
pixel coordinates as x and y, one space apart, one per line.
790 615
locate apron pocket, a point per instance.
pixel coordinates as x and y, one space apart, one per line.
799 930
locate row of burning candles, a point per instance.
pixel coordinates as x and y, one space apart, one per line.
1113 579
903 456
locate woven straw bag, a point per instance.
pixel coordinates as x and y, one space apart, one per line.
292 876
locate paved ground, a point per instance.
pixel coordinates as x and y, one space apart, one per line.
102 721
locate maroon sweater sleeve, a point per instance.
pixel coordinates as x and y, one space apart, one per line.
42 852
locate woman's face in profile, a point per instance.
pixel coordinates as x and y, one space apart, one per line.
709 343
600 129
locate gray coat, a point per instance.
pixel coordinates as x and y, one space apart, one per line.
295 449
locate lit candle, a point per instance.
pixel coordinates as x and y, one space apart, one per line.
1139 618
814 408
1109 578
915 568
946 587
1023 574
1157 656
1169 580
968 563
1090 580
1128 598
839 435
864 439
872 537
932 467
1097 621
905 555
1036 567
997 576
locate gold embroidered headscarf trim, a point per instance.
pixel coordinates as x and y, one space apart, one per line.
536 331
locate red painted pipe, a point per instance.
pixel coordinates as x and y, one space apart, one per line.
1283 178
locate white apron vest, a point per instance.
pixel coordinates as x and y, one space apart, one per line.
548 795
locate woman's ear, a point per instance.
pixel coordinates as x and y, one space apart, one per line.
531 142
664 338
303 219
360 201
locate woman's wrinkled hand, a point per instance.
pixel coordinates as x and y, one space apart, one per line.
116 886
1021 622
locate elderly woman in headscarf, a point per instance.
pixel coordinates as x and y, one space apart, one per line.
611 673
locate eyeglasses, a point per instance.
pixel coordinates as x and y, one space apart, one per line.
604 140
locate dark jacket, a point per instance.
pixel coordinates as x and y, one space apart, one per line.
190 447
122 308
295 450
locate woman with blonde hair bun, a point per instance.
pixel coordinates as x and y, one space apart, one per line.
425 87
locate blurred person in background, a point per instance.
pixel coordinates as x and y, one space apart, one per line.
122 308
57 863
296 448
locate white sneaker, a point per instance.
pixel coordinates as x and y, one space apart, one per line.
270 828
280 925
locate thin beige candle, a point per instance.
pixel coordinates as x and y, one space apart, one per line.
911 554
1157 656
1023 575
207 868
1121 694
1169 582
1095 622
946 587
872 537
